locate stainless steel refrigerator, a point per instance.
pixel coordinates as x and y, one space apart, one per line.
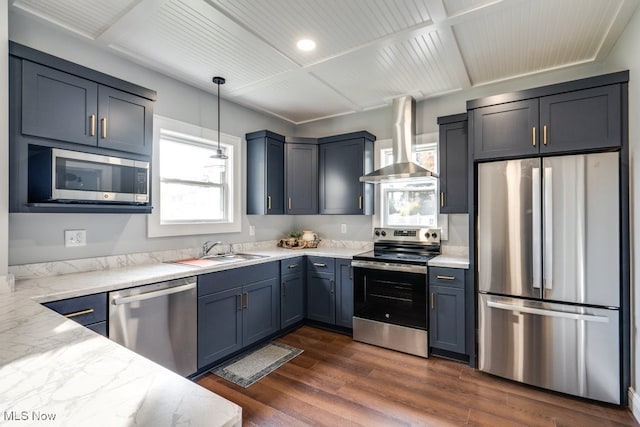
548 268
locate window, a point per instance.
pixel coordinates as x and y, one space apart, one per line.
192 192
412 202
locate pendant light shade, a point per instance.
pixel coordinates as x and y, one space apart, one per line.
219 154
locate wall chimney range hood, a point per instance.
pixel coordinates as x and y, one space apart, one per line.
403 140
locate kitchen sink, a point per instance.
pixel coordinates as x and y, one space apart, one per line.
212 260
232 257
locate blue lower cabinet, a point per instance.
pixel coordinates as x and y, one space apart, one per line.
292 291
344 293
447 317
330 291
88 310
231 317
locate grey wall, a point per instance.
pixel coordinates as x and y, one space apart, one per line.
34 238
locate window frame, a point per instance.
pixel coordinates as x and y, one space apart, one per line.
202 135
385 144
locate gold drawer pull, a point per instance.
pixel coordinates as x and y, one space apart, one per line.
533 136
319 264
268 202
103 124
442 199
445 277
544 135
92 125
79 313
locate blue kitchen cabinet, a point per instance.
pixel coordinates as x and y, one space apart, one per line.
453 154
265 173
87 310
301 173
447 317
321 305
292 287
236 308
343 159
65 107
344 293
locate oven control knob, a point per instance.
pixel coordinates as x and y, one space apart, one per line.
434 235
384 233
377 233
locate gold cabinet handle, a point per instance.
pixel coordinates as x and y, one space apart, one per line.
445 277
359 202
92 125
433 300
268 202
246 300
289 202
442 199
239 298
79 313
319 264
533 136
293 266
103 125
544 134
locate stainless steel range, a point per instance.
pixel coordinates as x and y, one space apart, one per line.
390 289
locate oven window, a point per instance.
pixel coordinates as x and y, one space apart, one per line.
391 297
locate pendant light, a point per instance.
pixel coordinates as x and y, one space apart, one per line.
219 154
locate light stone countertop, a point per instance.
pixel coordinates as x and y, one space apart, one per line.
450 261
51 366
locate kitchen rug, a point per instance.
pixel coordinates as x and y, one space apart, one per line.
249 367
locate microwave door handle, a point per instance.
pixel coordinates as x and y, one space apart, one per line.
536 228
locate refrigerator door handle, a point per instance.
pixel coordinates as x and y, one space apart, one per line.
536 228
550 313
548 228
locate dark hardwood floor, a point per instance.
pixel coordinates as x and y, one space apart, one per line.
339 382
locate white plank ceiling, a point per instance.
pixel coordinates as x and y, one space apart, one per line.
368 51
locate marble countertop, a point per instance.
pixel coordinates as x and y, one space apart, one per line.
53 367
450 261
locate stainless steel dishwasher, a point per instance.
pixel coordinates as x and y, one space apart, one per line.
158 321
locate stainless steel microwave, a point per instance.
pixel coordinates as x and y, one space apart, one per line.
57 175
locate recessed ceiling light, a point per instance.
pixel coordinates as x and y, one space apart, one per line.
306 45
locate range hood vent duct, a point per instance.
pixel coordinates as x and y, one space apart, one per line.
403 140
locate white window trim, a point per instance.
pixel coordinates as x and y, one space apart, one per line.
382 144
234 224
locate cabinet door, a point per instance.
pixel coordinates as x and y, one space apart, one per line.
344 293
125 121
302 179
219 325
275 177
60 106
261 310
341 166
453 167
581 120
506 130
292 301
447 318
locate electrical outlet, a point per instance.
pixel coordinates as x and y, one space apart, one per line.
74 238
252 230
343 228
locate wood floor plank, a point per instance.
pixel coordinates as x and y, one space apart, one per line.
339 382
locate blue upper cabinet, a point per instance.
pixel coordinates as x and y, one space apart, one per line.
454 174
265 173
576 116
343 160
301 178
68 108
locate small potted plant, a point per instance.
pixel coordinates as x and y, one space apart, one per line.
293 238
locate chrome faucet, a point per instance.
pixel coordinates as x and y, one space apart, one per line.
208 245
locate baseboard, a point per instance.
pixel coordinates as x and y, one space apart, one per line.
634 403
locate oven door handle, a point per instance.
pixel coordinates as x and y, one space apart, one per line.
374 265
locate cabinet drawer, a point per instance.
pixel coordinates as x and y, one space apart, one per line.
321 264
84 310
228 279
292 266
453 277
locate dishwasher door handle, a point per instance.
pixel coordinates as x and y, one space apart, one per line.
153 294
